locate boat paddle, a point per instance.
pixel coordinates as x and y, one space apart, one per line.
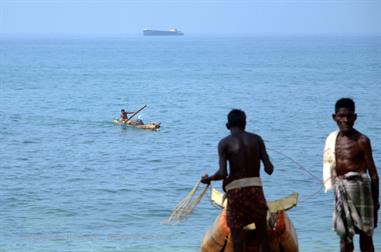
135 114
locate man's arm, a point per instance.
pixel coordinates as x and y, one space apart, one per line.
371 167
269 168
222 160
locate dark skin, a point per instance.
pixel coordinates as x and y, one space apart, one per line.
354 153
244 151
124 115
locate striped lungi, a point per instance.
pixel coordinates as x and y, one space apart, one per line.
353 210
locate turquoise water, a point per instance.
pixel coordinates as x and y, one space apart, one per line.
73 181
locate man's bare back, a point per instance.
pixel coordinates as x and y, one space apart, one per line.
243 151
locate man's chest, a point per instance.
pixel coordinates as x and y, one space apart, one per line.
347 148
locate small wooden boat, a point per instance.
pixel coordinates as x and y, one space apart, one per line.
281 232
137 124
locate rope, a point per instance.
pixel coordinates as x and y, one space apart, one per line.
313 195
299 165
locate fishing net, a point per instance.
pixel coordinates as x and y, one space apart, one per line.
185 207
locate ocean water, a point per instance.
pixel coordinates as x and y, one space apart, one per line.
72 181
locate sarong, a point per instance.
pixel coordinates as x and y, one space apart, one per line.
353 210
245 206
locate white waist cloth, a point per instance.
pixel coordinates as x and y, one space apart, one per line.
244 182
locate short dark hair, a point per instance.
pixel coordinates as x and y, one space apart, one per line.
236 118
345 103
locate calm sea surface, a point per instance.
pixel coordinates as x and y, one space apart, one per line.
72 181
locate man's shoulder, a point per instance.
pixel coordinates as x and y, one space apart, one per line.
229 139
225 139
362 138
254 136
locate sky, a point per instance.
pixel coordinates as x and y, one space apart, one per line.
220 17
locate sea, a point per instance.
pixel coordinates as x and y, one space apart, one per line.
71 180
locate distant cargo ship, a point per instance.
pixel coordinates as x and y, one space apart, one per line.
170 32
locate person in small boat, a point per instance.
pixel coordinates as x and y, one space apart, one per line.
347 160
124 115
246 201
124 118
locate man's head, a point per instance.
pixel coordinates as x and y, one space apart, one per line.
236 118
345 115
345 103
122 111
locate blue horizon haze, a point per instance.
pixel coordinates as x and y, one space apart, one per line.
227 17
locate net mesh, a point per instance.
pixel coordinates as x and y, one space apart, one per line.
185 207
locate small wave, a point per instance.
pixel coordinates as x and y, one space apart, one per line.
113 191
75 180
30 142
155 161
61 212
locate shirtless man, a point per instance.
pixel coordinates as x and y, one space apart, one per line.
353 154
246 200
124 115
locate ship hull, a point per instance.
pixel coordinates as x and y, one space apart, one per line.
162 33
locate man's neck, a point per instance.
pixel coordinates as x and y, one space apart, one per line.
236 130
348 133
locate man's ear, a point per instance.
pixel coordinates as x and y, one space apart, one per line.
333 117
228 126
355 116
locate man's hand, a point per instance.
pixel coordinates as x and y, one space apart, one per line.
205 179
